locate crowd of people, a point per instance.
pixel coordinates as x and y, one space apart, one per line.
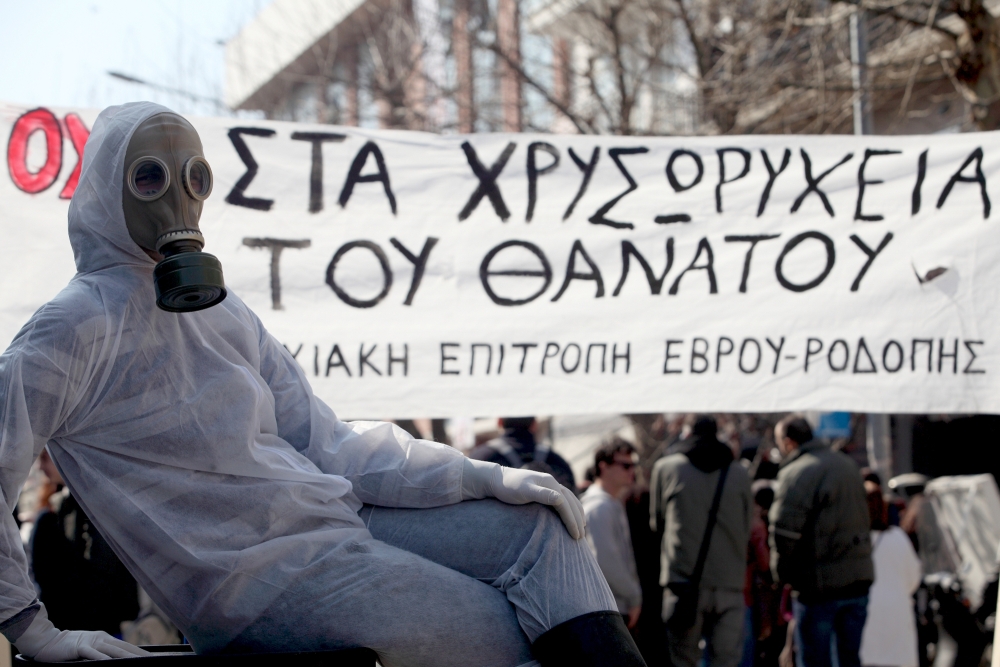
715 559
720 558
800 563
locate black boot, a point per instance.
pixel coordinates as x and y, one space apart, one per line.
598 639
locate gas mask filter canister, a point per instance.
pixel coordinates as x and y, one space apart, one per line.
167 179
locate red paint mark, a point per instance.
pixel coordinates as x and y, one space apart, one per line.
78 134
36 120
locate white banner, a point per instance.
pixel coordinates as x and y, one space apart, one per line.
421 275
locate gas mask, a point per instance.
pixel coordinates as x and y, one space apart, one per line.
166 182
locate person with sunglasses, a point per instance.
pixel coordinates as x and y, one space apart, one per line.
607 524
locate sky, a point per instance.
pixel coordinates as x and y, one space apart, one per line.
59 52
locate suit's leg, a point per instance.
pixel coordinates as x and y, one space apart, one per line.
409 610
523 551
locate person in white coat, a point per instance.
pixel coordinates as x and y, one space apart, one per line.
253 516
890 635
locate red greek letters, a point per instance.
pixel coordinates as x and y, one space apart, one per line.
44 121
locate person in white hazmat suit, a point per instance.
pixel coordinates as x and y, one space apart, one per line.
254 517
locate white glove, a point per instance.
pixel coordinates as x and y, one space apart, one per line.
481 479
43 643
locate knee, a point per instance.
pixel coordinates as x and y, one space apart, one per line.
534 523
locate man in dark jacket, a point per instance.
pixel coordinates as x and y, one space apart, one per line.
517 448
82 583
682 489
820 544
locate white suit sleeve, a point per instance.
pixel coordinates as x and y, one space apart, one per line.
38 389
385 465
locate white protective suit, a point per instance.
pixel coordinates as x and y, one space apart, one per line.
229 491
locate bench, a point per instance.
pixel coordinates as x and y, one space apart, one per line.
183 655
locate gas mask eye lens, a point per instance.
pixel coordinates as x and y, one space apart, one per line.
148 178
197 178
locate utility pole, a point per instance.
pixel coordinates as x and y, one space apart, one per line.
878 427
859 72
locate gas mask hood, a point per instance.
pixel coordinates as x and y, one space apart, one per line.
166 181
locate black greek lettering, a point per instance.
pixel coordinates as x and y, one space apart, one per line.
545 356
485 272
701 355
863 347
405 360
813 183
445 357
364 359
760 355
487 186
236 196
753 240
772 176
588 170
863 183
489 357
604 354
524 352
383 263
317 139
969 370
709 268
615 356
900 357
295 354
918 186
676 184
500 361
380 176
777 352
316 360
872 254
929 342
336 360
666 360
847 355
534 172
812 351
831 257
655 284
562 359
721 152
598 217
953 356
572 274
276 246
719 353
977 157
419 264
